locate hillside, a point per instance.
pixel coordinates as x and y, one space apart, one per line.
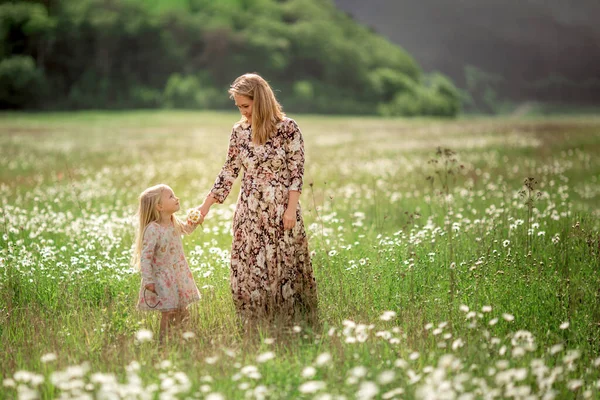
135 53
549 51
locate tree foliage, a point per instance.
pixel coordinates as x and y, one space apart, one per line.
75 54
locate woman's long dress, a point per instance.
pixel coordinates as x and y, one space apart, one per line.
271 271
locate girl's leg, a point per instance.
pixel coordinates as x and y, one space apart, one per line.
180 316
164 325
184 315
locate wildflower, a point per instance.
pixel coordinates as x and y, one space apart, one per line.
392 393
508 317
358 372
309 372
143 335
312 386
46 358
194 215
557 348
322 359
506 243
486 309
574 384
264 357
386 377
188 335
9 383
564 325
387 315
457 344
367 390
251 372
211 360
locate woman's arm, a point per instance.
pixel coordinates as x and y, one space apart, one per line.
295 162
207 204
226 177
289 216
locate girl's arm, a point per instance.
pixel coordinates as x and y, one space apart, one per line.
225 179
147 254
188 227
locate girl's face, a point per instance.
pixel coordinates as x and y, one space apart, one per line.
169 203
244 104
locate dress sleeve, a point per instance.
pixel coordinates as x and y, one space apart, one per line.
147 255
229 172
294 149
187 227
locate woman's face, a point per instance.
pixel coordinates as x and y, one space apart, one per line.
244 104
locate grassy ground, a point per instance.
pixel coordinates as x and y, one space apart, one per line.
440 273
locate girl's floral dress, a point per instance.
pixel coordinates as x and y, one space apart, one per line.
271 271
163 263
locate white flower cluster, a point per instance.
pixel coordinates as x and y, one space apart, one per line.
194 216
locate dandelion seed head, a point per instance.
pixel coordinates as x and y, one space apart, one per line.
323 359
508 317
386 377
367 390
387 315
312 387
143 335
309 372
264 357
48 357
188 335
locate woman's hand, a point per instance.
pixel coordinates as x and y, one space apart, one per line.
151 288
289 219
205 207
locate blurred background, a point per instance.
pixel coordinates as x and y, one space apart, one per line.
378 57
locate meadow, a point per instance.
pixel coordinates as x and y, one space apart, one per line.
455 259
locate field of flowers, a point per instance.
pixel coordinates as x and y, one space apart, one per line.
454 260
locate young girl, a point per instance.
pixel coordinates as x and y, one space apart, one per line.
167 282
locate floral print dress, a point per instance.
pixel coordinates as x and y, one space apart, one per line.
163 263
271 271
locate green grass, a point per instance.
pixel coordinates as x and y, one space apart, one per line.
480 306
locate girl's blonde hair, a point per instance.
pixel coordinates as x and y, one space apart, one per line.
266 110
147 213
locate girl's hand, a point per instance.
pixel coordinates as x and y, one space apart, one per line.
289 219
195 217
151 288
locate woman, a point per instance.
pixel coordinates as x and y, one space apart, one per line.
271 272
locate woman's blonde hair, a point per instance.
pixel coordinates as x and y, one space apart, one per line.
148 213
266 110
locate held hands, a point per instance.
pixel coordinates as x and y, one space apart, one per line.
204 208
195 216
289 219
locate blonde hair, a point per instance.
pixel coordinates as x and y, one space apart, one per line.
148 213
266 110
